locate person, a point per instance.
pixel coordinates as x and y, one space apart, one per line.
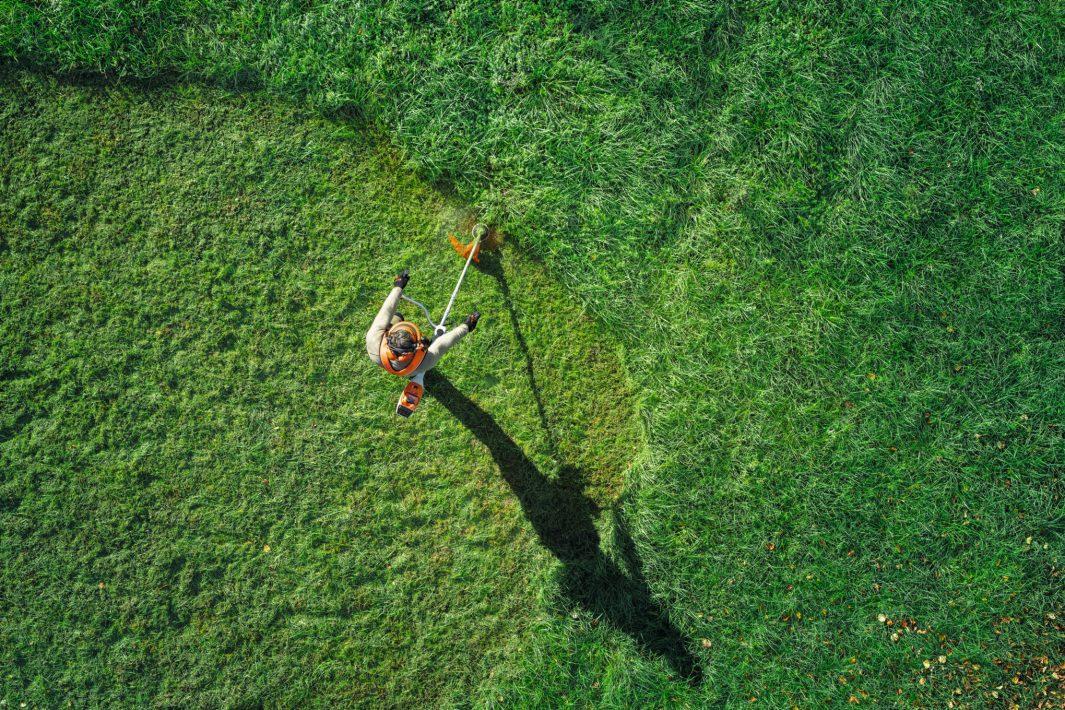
397 345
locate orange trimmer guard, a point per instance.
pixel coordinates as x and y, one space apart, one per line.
464 249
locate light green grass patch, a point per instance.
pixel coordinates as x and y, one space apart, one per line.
206 496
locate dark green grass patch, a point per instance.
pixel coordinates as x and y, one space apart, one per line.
206 497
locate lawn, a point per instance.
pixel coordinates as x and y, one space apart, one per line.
821 252
207 497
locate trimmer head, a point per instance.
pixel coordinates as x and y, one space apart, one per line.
408 401
465 249
479 233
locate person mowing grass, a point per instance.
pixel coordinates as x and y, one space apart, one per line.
398 346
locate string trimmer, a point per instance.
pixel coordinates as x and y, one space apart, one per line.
412 393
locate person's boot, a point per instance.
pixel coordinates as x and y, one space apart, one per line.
471 320
402 279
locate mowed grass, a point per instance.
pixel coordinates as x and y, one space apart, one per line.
207 498
829 239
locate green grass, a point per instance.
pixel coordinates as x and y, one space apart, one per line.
828 241
206 495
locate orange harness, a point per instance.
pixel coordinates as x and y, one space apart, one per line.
407 363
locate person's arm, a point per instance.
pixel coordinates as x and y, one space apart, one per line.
384 318
447 341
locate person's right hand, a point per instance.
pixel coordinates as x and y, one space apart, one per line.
471 320
403 278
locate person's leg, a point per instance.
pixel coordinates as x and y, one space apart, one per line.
440 346
380 324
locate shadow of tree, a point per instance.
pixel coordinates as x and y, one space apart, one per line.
564 520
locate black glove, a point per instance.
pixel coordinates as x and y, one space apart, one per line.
403 278
471 320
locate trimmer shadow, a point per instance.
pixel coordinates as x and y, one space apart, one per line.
492 264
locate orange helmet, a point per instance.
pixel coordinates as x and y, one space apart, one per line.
406 362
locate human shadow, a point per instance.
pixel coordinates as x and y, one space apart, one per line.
564 520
